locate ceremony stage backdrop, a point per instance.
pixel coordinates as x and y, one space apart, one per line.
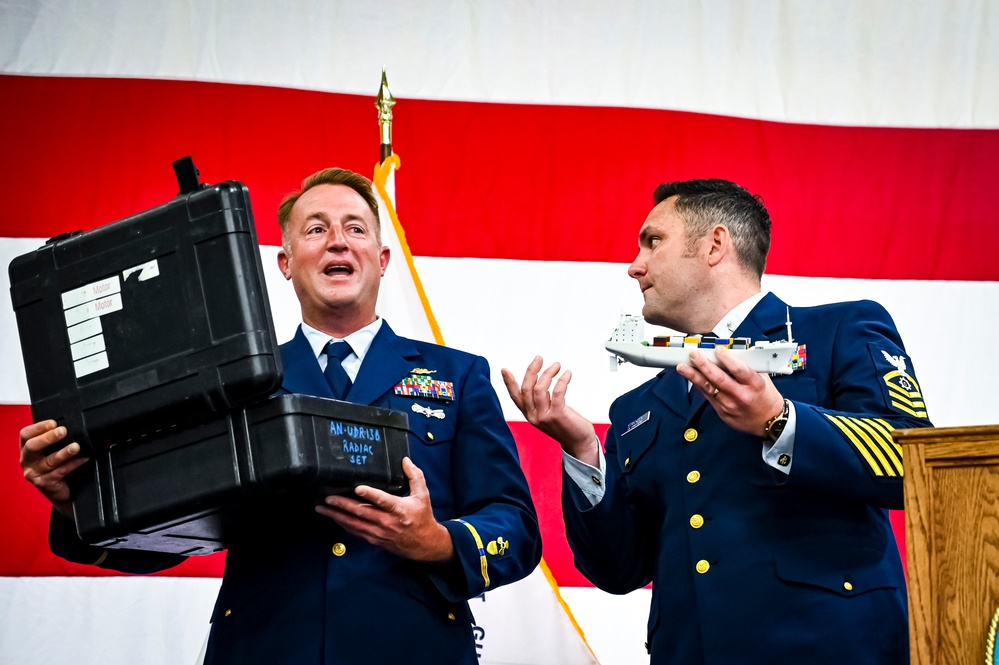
530 136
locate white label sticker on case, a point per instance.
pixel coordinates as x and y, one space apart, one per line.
87 347
146 271
88 328
89 292
94 308
91 364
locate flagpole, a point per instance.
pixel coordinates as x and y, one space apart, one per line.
384 103
383 183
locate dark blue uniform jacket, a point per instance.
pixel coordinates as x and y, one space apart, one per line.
750 565
298 589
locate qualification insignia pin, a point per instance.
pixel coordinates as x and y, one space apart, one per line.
428 412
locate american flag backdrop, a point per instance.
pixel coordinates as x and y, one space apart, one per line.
531 136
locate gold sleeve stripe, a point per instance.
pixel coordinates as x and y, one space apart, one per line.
885 430
872 446
891 450
901 392
882 439
911 412
917 404
848 433
906 401
482 551
893 375
912 405
901 395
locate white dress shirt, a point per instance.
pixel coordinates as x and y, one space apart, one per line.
360 342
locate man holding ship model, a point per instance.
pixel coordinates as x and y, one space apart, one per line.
757 506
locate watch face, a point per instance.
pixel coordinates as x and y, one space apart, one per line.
776 426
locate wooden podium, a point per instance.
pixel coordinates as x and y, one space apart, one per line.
952 541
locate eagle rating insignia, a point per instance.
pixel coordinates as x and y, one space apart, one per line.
903 390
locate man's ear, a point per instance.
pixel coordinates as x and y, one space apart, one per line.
284 263
720 244
383 258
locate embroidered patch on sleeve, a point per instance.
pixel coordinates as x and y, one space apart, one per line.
900 388
871 437
421 385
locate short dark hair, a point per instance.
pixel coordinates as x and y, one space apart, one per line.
704 203
330 176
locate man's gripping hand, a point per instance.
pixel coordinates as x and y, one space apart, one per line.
402 525
744 399
47 472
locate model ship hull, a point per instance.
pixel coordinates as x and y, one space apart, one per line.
771 358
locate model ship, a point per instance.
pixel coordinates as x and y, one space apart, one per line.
626 345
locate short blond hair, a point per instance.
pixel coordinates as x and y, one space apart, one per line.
330 176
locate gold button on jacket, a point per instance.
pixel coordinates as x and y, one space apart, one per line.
696 521
693 476
339 549
702 566
690 435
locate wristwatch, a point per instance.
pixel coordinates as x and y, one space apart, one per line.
775 426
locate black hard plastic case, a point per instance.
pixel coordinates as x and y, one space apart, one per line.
154 320
191 491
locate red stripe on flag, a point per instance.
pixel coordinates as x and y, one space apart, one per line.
24 512
505 180
541 459
24 520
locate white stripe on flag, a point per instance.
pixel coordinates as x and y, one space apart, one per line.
509 311
848 62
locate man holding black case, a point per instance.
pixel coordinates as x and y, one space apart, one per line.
328 586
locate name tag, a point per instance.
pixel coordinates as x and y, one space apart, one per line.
641 420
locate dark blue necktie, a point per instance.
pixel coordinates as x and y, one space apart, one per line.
335 374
